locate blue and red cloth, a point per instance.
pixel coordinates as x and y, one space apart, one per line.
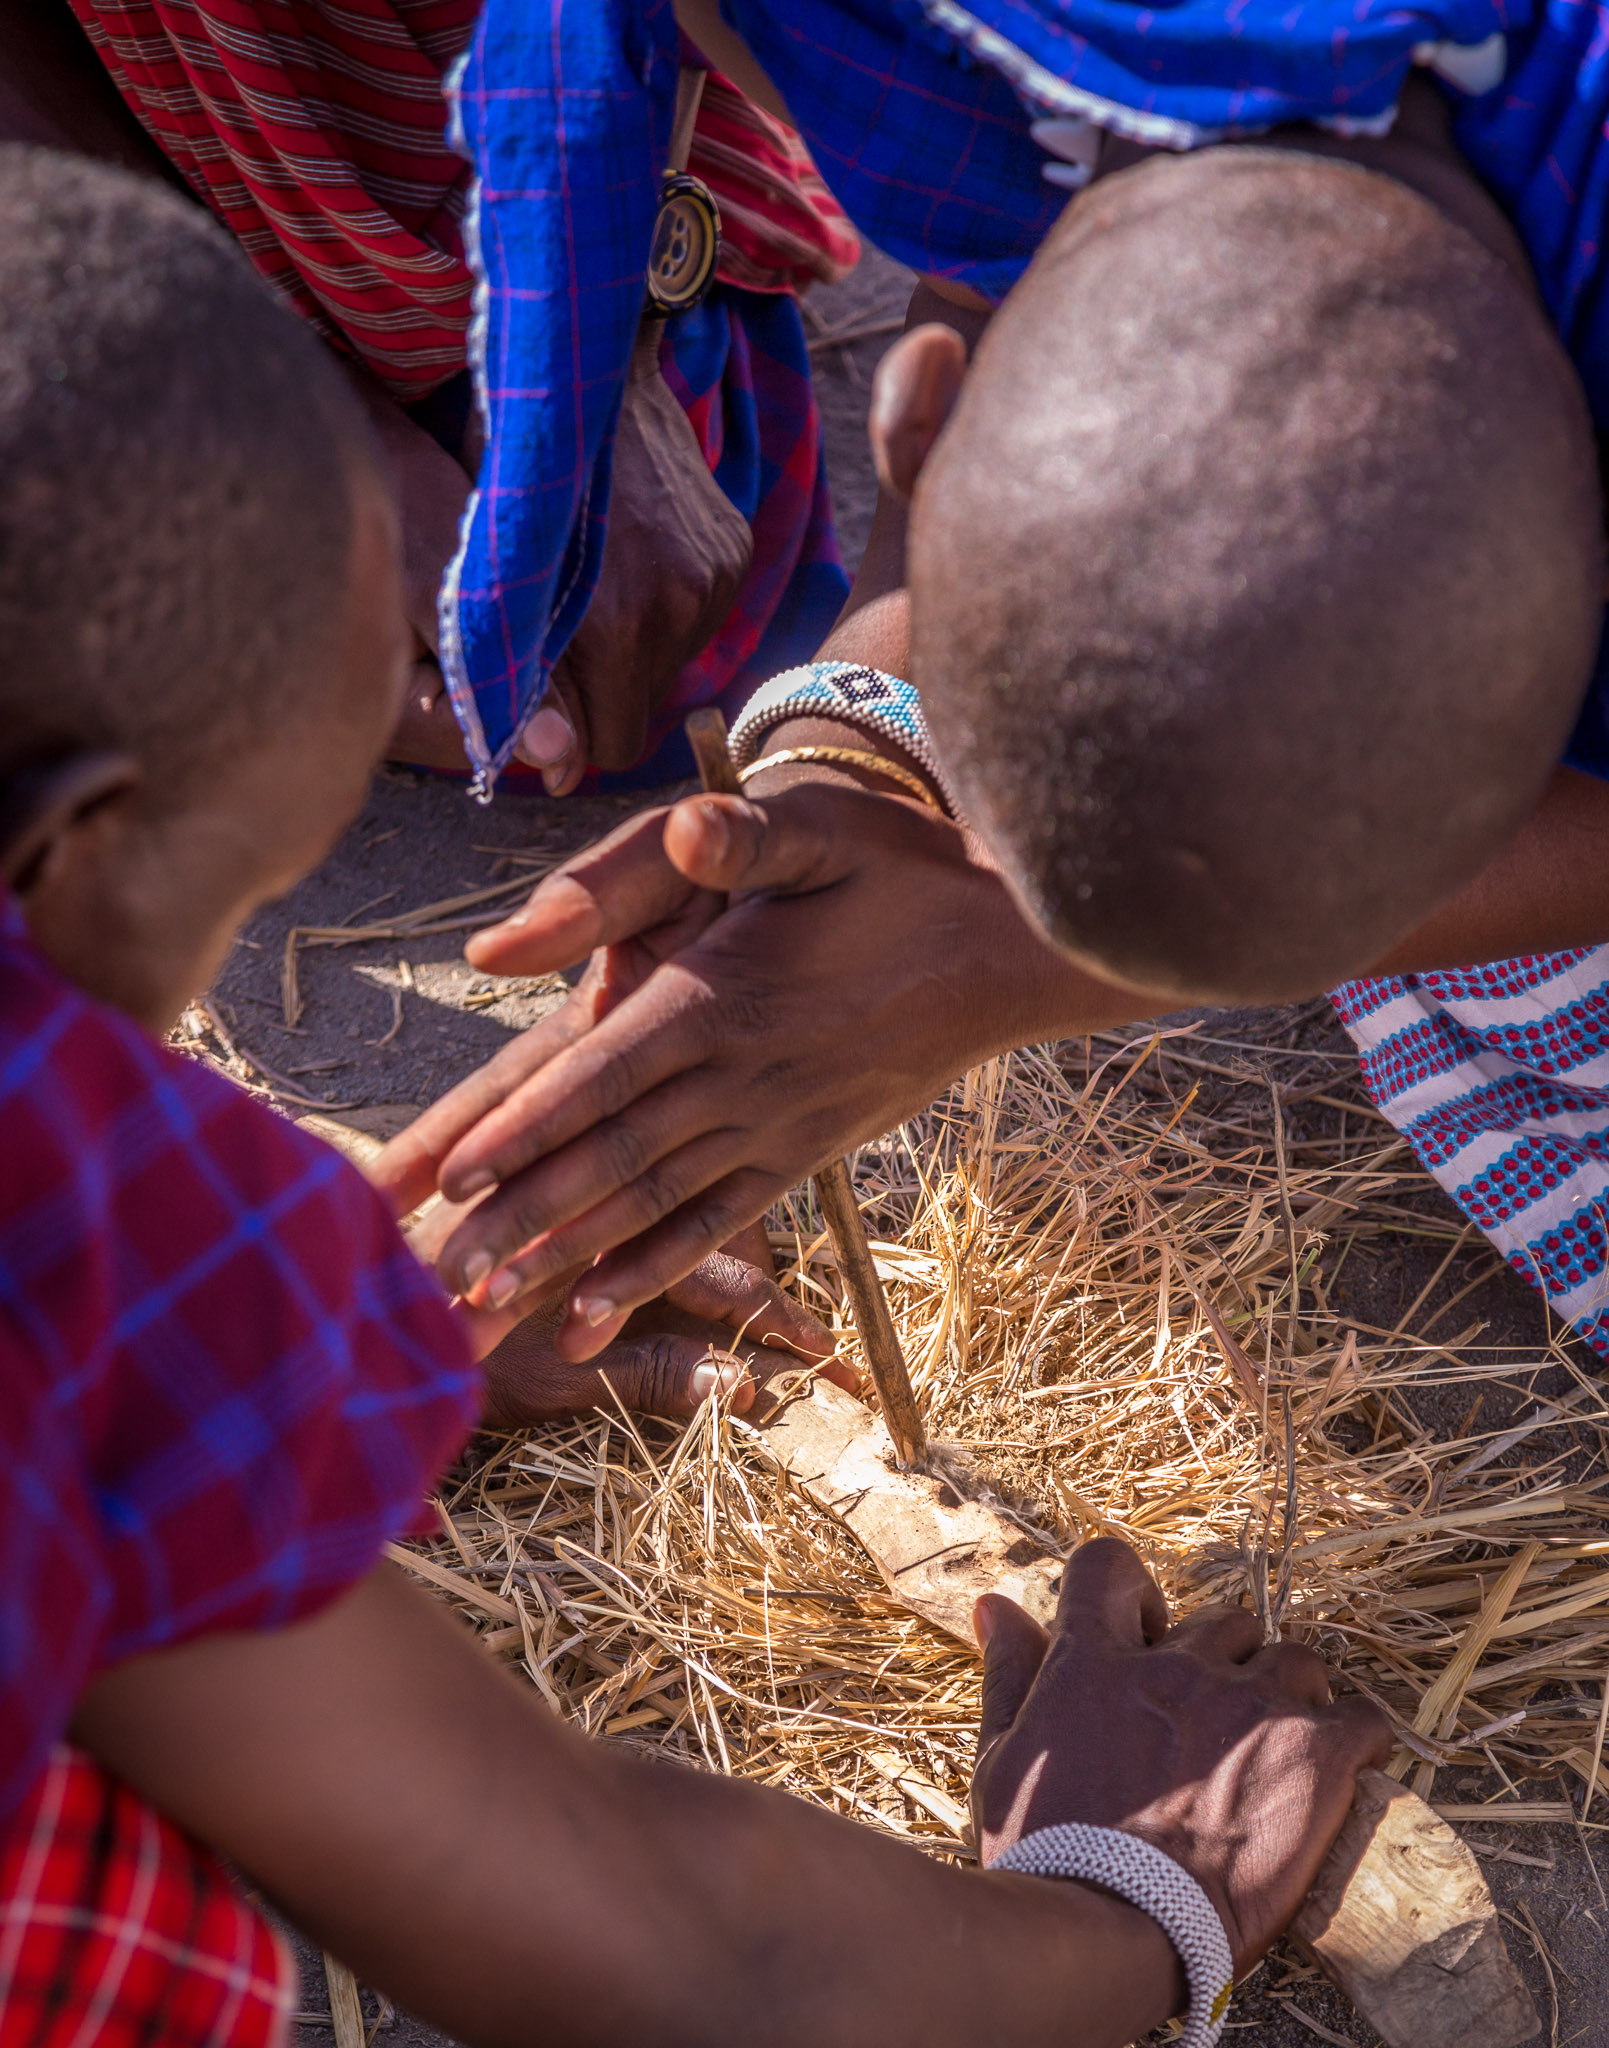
225 1381
318 136
917 113
740 368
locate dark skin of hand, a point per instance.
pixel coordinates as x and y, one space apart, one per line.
725 1327
421 1815
676 554
714 1076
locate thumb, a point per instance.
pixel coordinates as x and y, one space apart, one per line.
657 1372
724 1289
1014 1647
795 841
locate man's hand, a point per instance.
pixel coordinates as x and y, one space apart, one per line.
725 1328
1222 1751
675 557
709 1060
419 1814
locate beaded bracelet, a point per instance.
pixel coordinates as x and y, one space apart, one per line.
878 703
1148 1878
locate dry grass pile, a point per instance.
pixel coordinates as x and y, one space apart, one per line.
1113 1267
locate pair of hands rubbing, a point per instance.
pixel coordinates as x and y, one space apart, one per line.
701 1067
711 1057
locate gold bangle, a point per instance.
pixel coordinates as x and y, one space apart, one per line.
850 757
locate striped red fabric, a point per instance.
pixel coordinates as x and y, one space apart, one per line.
781 229
119 1931
316 131
317 134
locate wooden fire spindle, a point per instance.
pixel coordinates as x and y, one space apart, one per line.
706 735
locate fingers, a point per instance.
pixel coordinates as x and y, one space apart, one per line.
620 887
405 1170
549 741
1361 1734
637 1271
1232 1633
1107 1593
723 1289
653 1373
802 839
753 1246
625 1171
605 1188
653 1036
1293 1673
1014 1647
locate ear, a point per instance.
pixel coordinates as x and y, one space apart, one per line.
917 384
39 807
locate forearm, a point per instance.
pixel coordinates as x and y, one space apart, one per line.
1548 889
423 1817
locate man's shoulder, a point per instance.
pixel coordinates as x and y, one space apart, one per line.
88 1097
148 1205
225 1381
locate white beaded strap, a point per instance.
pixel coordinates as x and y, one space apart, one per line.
1151 1880
867 697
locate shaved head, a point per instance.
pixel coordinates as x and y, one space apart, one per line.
1257 578
177 464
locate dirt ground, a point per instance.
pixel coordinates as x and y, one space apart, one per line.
386 1025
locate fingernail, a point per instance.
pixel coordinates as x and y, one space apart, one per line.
595 1308
982 1623
707 1378
546 739
477 1183
476 1267
503 1289
719 836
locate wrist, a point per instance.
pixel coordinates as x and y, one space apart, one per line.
1159 1887
790 734
871 703
1139 1977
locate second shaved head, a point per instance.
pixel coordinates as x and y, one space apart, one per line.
1257 578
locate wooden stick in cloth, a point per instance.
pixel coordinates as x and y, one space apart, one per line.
706 735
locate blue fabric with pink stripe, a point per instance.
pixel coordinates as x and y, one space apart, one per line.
917 112
739 366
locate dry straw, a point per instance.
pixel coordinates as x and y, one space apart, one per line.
1115 1302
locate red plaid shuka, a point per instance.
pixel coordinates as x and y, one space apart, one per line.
317 134
118 1931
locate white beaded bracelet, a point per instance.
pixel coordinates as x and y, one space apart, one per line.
867 697
1150 1879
